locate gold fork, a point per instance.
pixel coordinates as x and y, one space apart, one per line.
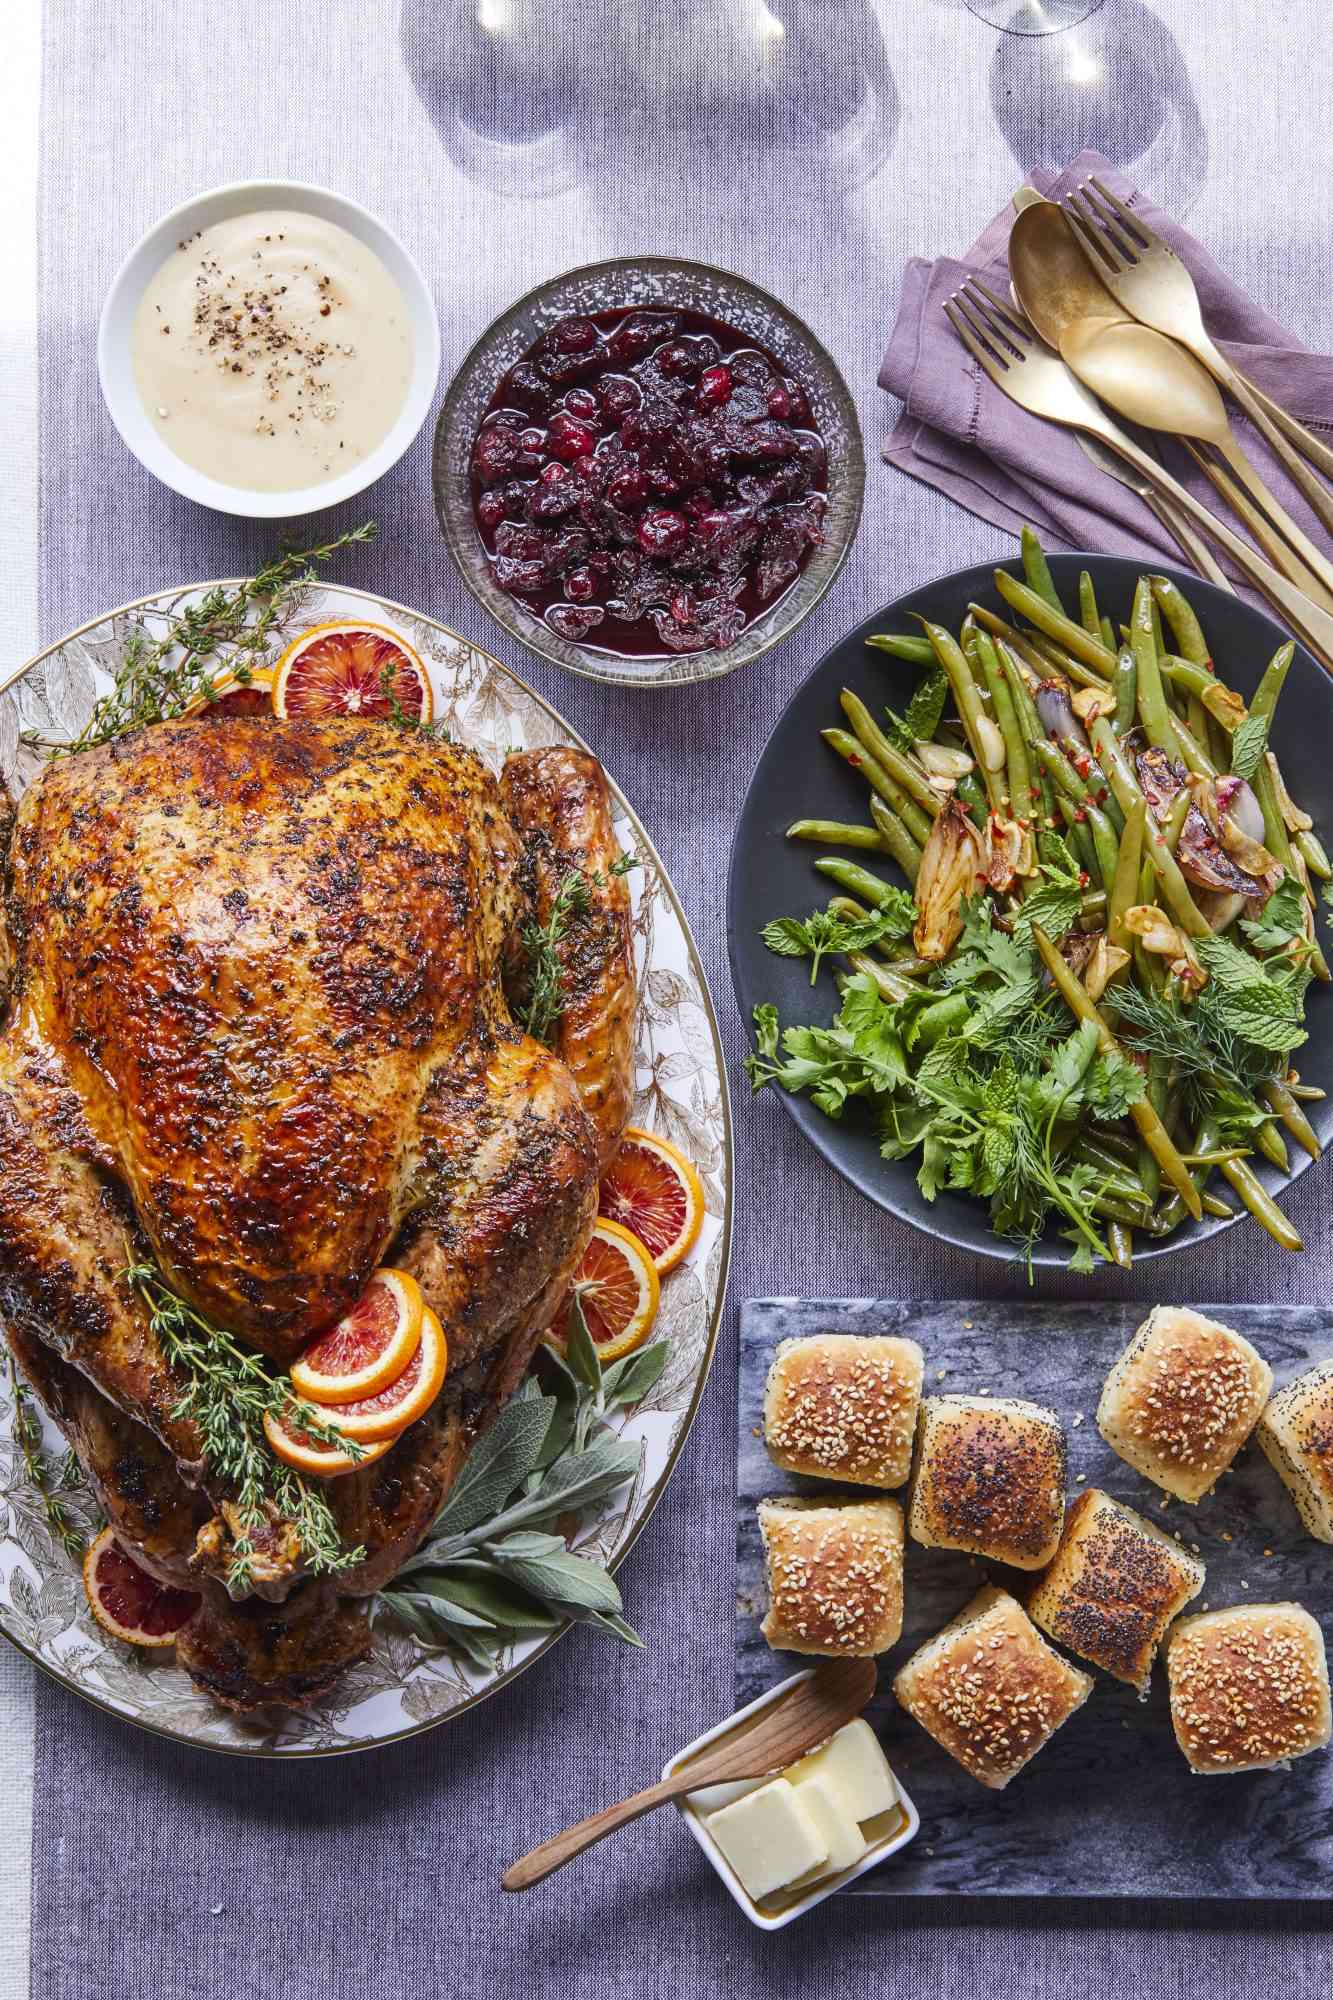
1004 344
1146 277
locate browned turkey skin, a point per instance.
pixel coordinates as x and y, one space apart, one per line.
257 1032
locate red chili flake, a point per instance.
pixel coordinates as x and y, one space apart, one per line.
1082 878
1208 665
855 762
1079 814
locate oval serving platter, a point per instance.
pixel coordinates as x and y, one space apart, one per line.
797 778
680 1091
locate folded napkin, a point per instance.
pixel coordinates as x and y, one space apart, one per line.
959 433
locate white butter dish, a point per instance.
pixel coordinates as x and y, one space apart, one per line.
884 1834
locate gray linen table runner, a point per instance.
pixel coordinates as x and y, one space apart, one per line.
502 152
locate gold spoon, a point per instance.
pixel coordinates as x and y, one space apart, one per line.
1145 376
836 1693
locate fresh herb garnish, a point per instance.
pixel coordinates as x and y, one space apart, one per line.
491 1570
228 1393
47 1479
547 982
159 677
924 711
1248 745
824 931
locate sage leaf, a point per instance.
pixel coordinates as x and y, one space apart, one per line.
500 1460
571 1583
581 1356
609 1622
627 1382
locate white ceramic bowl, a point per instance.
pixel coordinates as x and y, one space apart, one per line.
904 1826
115 363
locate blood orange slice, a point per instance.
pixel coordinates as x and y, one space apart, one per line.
352 669
651 1188
129 1603
389 1413
369 1347
305 1453
231 696
618 1288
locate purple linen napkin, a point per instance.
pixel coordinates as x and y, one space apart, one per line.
961 434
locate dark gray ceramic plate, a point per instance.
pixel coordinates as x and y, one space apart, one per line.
798 778
1109 1807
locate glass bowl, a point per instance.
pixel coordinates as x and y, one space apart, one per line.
625 282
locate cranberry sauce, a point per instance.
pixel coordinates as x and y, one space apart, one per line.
648 481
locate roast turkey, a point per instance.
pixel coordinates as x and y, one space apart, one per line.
259 1033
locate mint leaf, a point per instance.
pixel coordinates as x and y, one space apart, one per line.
1248 745
1281 919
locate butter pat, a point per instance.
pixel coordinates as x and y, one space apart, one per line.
833 1823
853 1773
769 1838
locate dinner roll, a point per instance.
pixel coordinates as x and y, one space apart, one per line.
1114 1587
843 1406
990 1479
1182 1399
835 1575
989 1689
1295 1435
1249 1687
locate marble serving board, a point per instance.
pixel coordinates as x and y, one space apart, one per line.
1109 1807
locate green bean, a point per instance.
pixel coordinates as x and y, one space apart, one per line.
904 771
1158 636
1087 605
855 753
1120 1178
1308 1093
1270 687
1187 747
1196 715
1153 711
1043 659
1120 1243
1180 616
973 795
1107 630
1146 1120
1076 827
1125 785
1006 717
1176 814
1105 842
897 838
1280 1098
857 881
1150 1172
1125 682
1311 850
1213 1204
1037 569
1025 709
1111 1139
1062 773
1133 1215
833 833
1217 1158
1271 1144
1125 885
1080 644
904 646
968 703
890 984
1261 1204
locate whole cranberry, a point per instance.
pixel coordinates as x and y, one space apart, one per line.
637 333
780 404
580 585
663 532
553 475
629 489
619 396
524 386
585 466
582 403
714 388
495 453
574 621
572 336
800 403
532 439
567 438
514 493
490 511
677 358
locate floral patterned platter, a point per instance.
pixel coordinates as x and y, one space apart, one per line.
400 1688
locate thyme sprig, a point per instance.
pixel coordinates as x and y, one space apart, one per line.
548 981
160 675
491 1570
228 1393
45 1477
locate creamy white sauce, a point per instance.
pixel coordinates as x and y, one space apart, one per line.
273 351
